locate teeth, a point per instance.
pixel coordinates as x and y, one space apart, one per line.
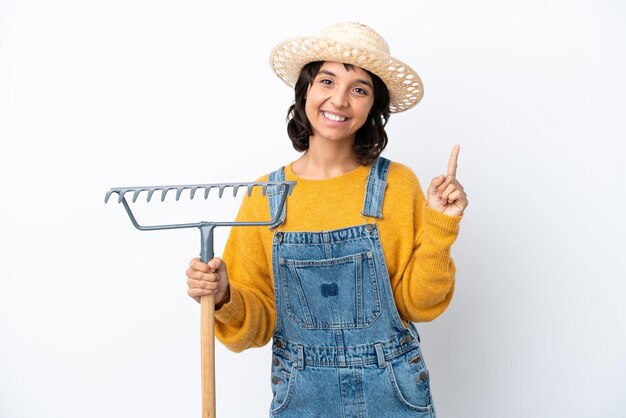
334 117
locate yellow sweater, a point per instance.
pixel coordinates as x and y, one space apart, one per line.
416 241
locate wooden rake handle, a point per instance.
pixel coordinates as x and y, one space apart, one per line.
207 341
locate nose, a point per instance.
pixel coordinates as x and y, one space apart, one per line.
339 98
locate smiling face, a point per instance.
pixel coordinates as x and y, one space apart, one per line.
338 101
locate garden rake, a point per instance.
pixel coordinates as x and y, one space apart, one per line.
207 319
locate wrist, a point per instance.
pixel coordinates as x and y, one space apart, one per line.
222 298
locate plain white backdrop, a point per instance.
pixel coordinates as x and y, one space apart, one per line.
94 317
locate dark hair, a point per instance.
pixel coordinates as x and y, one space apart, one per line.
370 139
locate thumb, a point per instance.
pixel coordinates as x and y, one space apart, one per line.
436 182
217 264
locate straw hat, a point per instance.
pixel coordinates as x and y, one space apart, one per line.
352 43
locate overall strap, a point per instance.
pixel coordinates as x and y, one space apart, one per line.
274 195
375 188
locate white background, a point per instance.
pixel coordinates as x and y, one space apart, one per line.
94 317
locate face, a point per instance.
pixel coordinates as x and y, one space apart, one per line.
339 101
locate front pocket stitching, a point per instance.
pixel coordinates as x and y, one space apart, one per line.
396 388
306 311
328 261
358 285
290 314
376 310
290 390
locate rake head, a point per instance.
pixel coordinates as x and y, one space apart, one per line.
193 188
283 188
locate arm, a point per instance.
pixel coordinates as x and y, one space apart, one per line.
248 318
422 270
427 283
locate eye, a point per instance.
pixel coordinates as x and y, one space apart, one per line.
326 81
361 91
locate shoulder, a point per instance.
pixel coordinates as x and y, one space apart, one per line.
400 170
402 177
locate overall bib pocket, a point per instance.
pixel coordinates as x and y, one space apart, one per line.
334 293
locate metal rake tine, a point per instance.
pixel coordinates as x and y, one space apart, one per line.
108 195
179 190
207 189
136 194
164 193
193 192
236 189
253 185
290 188
121 195
150 193
221 191
264 189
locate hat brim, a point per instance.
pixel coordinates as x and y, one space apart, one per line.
404 84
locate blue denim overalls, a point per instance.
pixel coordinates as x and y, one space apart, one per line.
340 348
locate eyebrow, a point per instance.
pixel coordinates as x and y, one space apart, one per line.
330 73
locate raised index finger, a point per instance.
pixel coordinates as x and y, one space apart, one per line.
452 163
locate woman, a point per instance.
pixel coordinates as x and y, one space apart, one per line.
360 254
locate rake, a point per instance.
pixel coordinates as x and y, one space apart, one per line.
207 318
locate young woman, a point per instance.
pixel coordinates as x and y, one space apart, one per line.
360 253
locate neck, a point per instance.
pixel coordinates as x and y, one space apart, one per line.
325 159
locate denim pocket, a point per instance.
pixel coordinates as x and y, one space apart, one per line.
410 380
335 293
283 381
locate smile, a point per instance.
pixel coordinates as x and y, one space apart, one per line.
333 117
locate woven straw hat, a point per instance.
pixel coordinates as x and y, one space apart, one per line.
352 43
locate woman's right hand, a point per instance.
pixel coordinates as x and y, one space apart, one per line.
208 278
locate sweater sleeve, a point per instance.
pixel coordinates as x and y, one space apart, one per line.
427 282
248 318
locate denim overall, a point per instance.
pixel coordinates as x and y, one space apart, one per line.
340 348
